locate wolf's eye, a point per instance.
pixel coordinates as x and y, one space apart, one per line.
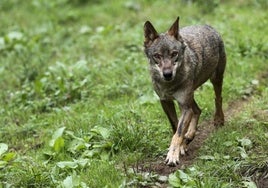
174 54
157 56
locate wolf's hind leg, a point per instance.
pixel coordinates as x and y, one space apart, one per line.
217 81
190 134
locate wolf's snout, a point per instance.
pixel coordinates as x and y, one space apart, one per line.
167 74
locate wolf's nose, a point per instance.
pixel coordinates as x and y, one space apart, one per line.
167 75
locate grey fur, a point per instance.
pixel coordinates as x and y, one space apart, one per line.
181 60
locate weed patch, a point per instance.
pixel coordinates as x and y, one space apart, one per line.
78 110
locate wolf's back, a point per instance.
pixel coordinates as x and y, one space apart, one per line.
206 50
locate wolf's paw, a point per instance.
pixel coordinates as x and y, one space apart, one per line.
218 122
189 136
173 156
183 149
219 119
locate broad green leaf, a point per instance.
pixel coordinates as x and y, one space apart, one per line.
104 156
9 156
72 181
245 142
76 146
57 134
67 164
71 134
100 29
243 152
162 178
3 148
68 182
90 153
184 177
83 185
104 132
81 64
85 29
3 164
58 144
174 180
243 155
82 162
14 35
49 154
228 143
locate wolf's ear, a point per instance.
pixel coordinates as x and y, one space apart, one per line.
174 29
150 34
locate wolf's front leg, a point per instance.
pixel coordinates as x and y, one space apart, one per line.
177 146
169 108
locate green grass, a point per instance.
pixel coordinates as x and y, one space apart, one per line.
78 108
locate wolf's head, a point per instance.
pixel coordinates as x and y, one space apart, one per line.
164 51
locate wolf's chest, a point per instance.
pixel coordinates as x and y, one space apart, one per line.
166 92
178 92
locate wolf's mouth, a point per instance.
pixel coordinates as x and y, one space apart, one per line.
169 79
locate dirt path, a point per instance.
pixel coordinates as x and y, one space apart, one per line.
205 128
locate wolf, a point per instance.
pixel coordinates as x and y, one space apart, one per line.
181 60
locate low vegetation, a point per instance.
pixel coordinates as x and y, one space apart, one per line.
78 108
